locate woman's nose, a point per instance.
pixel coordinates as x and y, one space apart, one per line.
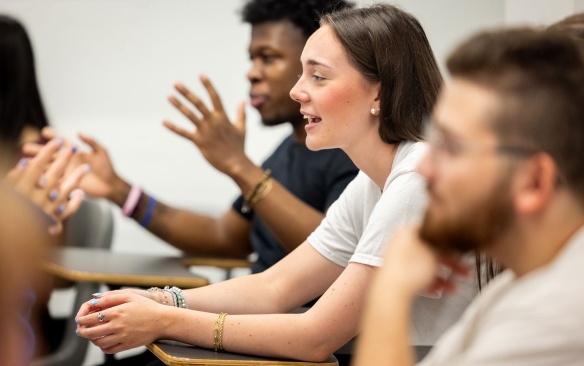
298 93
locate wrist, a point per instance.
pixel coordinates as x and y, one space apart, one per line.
120 189
246 176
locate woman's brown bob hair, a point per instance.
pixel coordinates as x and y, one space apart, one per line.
388 45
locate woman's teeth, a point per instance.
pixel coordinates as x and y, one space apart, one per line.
312 119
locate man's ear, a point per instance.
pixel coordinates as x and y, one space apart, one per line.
534 183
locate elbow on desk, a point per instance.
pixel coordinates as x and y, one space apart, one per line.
319 347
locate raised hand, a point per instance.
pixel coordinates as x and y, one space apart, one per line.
44 180
220 141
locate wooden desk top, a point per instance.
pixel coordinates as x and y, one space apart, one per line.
225 263
180 354
108 267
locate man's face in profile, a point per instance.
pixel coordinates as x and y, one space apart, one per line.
468 179
274 51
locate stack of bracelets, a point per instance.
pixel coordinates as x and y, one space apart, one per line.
135 207
178 299
218 334
260 191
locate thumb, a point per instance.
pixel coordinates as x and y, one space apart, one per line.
240 118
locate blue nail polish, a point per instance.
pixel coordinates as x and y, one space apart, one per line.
23 162
42 181
60 209
76 321
54 194
74 149
94 302
97 294
77 332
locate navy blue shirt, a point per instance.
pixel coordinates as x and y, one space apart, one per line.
316 177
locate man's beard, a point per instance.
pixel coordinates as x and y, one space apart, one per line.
477 227
276 121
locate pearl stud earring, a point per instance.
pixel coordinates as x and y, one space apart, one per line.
375 111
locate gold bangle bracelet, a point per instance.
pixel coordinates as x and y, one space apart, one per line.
218 334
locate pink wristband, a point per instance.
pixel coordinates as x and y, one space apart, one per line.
132 201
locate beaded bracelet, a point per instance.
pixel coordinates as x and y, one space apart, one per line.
178 298
160 293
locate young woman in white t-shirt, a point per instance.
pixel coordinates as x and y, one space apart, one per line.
369 77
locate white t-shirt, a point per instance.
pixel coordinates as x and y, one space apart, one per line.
357 227
534 320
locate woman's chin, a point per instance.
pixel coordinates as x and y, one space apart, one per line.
314 144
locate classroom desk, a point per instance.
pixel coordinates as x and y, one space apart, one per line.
226 264
123 269
180 354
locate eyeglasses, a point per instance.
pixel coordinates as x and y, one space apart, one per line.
444 146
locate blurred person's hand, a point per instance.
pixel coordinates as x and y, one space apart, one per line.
45 181
100 181
412 268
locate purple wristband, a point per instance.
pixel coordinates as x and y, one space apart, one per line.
132 201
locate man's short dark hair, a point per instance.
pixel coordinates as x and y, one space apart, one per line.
303 14
538 76
573 25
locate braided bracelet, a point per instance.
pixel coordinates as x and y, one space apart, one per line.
258 192
218 334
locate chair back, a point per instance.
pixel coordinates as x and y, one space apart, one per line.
91 226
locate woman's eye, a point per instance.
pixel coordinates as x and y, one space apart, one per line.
317 78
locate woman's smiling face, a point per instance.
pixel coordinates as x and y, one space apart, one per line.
334 96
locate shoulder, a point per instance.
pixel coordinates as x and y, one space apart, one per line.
408 155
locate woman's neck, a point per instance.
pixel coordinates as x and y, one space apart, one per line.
374 158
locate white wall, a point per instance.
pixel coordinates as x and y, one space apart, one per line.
540 12
105 68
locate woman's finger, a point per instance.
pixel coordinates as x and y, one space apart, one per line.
38 164
57 168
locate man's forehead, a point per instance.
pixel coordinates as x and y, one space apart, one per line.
465 108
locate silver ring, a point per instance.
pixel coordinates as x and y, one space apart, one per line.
100 316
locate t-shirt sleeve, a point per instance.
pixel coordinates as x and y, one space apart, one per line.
351 231
403 203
